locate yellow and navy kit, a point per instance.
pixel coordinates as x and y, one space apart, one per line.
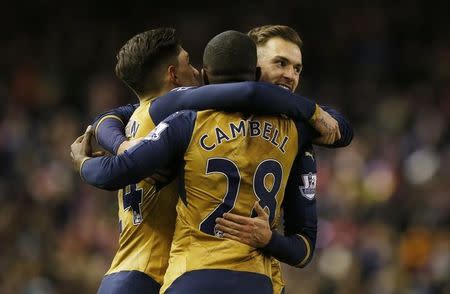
228 161
246 96
249 97
299 212
146 215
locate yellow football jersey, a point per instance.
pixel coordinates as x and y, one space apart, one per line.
231 162
277 277
146 217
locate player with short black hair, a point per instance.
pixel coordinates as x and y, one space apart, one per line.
219 67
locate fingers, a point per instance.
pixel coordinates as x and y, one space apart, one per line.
227 230
87 136
233 234
89 130
338 133
87 133
235 238
223 223
260 211
79 139
75 145
237 218
255 232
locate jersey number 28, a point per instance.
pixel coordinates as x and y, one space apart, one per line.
231 171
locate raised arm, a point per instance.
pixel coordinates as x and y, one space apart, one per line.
163 147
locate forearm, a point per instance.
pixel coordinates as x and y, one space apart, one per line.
109 172
109 127
163 146
251 97
110 133
295 250
345 129
271 99
297 245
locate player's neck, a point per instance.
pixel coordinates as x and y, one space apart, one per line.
154 94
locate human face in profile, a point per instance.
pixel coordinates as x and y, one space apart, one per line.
187 75
281 63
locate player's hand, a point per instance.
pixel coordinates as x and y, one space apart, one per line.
327 126
81 148
253 231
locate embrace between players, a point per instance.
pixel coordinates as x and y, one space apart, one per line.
205 173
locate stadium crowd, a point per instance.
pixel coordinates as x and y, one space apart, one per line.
383 201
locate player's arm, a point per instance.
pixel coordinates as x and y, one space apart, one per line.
251 97
297 245
109 127
163 147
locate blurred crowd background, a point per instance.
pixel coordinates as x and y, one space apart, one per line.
383 201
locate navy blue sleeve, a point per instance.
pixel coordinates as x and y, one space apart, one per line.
306 134
162 148
297 246
250 97
109 127
345 128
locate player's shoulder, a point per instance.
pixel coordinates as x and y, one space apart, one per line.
182 115
180 89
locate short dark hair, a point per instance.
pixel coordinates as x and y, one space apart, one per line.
260 35
140 60
230 57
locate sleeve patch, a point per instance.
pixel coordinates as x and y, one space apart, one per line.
308 189
181 89
155 134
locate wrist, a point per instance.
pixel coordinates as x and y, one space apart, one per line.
272 241
316 114
267 238
79 163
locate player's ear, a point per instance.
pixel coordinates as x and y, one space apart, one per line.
172 74
205 77
258 73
